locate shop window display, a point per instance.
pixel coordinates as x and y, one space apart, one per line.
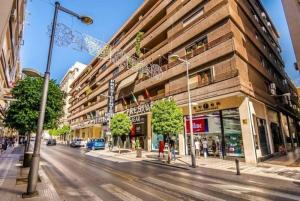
233 133
206 127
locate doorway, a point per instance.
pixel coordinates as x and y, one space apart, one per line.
277 138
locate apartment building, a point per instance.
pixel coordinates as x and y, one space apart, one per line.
243 101
72 73
11 31
292 14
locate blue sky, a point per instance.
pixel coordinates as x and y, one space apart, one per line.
108 15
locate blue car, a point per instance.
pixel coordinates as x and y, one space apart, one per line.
96 144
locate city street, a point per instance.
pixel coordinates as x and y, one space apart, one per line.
76 176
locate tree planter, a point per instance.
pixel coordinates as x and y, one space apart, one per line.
139 153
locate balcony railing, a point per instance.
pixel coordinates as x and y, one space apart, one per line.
194 53
218 78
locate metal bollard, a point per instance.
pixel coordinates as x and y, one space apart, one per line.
237 164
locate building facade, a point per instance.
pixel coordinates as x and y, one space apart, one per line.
11 31
65 84
292 14
243 101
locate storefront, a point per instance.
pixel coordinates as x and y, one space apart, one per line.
139 130
141 125
222 131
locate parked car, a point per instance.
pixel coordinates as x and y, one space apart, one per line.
96 144
51 142
77 143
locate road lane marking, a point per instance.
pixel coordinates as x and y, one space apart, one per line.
120 193
252 188
91 195
6 167
231 190
151 191
181 189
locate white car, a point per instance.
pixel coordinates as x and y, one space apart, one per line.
77 143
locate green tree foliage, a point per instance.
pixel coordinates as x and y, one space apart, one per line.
120 125
22 114
166 117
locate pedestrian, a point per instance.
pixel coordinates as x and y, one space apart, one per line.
205 143
197 148
161 148
214 147
172 146
133 144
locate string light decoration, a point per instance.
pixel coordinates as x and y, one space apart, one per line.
67 37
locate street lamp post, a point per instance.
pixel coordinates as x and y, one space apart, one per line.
33 173
187 63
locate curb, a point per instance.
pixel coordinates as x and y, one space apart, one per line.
164 164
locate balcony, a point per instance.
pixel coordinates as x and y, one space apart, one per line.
218 78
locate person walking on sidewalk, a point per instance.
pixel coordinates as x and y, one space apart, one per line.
205 144
161 148
197 148
172 146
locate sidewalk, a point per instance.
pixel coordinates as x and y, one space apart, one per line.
264 169
13 179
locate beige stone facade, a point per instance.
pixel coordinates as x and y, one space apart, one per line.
11 31
292 13
237 76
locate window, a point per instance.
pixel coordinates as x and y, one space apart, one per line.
201 78
193 15
198 43
262 61
115 72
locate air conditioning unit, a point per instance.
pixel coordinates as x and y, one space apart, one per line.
256 18
269 24
273 89
263 14
264 29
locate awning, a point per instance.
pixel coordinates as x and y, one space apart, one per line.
127 81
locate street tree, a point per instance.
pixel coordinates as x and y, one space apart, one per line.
23 113
120 125
167 119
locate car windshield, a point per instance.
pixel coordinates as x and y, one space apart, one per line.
100 140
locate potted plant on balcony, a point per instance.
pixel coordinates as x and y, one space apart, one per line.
138 148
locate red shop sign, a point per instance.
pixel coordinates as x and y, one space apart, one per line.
199 125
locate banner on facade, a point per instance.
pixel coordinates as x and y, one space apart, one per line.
200 125
111 97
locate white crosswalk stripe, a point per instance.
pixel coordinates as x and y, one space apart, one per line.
151 191
181 189
120 193
241 186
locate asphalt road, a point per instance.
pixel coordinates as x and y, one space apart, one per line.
80 177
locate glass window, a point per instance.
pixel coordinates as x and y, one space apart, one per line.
199 43
205 77
233 133
195 14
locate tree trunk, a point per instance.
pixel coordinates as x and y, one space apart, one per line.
169 157
119 145
27 145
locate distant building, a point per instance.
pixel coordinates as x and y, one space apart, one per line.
65 84
292 13
11 31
